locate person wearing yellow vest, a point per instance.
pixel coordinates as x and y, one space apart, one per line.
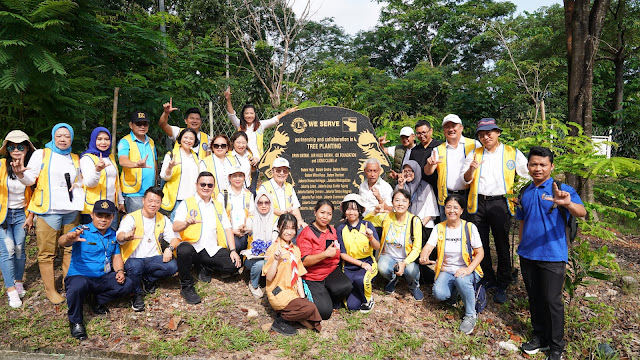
57 200
14 218
491 170
139 236
283 193
249 123
100 175
193 121
242 156
400 243
217 163
239 205
179 170
204 228
456 269
137 157
448 158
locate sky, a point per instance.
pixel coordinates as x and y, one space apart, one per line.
356 15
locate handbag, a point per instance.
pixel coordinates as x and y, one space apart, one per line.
479 289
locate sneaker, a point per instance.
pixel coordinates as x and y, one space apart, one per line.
137 303
417 294
204 275
14 299
256 292
20 289
281 326
468 324
500 296
366 307
391 285
190 295
149 287
100 309
555 355
534 346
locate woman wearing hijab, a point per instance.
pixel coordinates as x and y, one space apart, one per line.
100 175
263 233
57 200
14 219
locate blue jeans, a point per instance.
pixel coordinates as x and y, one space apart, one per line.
150 269
411 271
12 254
132 203
58 221
444 285
172 215
255 267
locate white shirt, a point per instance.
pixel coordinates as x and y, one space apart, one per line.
220 171
209 239
16 194
175 131
455 160
188 174
238 205
91 177
59 194
245 165
253 142
147 246
280 197
453 246
491 181
370 201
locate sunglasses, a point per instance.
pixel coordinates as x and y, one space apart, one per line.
264 203
18 147
142 124
281 170
219 146
203 185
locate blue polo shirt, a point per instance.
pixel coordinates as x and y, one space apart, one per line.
88 257
145 148
543 235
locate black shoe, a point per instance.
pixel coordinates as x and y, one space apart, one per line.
100 309
190 295
501 296
137 302
149 287
281 326
534 346
204 275
78 331
555 355
489 284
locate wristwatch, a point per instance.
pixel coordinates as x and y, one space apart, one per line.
171 248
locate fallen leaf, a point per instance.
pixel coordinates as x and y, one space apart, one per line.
515 338
173 323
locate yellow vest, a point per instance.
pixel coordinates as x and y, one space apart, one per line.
469 145
508 174
194 232
132 177
288 195
384 220
41 200
129 247
466 233
171 187
203 147
99 192
212 168
246 202
4 190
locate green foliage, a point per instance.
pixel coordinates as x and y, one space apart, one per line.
585 262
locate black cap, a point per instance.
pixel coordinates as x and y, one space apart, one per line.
139 116
104 207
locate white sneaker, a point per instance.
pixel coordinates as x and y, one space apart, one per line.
256 292
14 299
20 289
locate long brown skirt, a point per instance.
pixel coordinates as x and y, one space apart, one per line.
302 309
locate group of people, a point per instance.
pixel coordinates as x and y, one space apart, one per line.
211 215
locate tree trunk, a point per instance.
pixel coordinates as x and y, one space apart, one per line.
618 93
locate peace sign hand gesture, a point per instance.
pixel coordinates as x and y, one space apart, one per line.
142 163
168 107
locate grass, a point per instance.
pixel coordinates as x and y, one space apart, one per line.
401 345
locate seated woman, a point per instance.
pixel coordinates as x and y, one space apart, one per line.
238 203
401 242
456 265
358 238
283 270
262 235
320 250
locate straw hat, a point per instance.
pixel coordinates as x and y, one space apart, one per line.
16 137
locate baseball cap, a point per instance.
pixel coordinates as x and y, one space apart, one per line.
235 169
406 131
280 162
104 207
487 124
451 118
139 116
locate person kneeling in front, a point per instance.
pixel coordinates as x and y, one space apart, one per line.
96 266
207 239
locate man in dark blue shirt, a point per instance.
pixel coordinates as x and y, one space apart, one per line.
96 266
543 251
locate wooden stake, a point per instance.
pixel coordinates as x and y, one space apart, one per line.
114 120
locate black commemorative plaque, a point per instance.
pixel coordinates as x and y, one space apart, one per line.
326 147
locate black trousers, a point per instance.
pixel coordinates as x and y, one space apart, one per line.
187 256
544 281
493 216
332 290
427 276
105 289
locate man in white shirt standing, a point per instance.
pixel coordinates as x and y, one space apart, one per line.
207 239
490 171
373 190
139 237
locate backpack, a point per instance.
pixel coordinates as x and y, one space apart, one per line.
479 289
570 223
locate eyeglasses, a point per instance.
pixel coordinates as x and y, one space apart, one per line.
260 203
18 147
281 170
422 133
142 124
219 146
209 185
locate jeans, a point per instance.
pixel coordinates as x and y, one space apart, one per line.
172 215
443 287
255 267
132 203
12 252
150 269
411 271
57 221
